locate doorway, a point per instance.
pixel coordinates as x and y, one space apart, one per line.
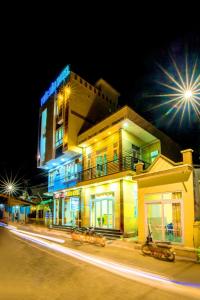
102 211
164 220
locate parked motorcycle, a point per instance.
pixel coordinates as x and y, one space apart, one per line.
160 250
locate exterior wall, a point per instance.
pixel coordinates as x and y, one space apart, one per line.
127 140
84 100
187 207
106 145
87 192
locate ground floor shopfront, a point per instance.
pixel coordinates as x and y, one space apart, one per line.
160 200
166 203
107 205
66 209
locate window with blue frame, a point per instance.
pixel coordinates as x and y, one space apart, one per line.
59 136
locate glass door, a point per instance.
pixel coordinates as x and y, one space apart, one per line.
154 220
104 213
56 211
164 221
172 222
101 165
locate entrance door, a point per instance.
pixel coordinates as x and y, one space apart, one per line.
154 220
70 211
101 165
104 213
164 221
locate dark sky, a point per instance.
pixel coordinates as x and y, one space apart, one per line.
29 64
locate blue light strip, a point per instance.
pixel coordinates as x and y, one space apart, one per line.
54 85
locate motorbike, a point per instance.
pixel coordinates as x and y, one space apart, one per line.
160 250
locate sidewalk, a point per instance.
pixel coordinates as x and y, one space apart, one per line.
182 253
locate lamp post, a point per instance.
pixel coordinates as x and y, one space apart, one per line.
9 187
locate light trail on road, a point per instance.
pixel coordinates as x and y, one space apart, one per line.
148 278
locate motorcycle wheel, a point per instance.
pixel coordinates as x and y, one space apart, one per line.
170 255
145 249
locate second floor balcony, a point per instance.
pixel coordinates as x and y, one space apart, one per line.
126 163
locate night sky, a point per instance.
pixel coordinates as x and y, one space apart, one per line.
128 63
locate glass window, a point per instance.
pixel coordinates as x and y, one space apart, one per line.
115 156
154 154
51 178
43 135
59 136
156 196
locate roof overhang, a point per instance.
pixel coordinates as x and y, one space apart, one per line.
174 175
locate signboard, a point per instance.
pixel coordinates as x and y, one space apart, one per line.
72 193
55 84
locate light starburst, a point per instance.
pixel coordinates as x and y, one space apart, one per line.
10 185
182 90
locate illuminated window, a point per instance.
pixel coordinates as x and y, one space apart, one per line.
43 135
70 171
154 154
51 178
59 136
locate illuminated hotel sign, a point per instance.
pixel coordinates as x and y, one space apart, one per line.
54 85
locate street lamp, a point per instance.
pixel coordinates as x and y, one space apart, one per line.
9 187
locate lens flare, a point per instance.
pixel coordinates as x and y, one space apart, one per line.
182 91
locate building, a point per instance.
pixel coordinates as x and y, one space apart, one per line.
70 106
111 168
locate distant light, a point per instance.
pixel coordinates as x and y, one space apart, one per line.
188 94
10 187
60 97
54 164
126 124
109 132
62 159
67 91
83 145
95 140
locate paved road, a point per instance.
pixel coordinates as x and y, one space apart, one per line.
29 271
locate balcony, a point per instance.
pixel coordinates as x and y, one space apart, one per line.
127 163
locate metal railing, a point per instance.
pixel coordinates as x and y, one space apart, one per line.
119 165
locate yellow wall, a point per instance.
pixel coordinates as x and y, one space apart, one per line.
106 145
130 205
187 207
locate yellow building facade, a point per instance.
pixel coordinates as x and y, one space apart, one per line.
112 169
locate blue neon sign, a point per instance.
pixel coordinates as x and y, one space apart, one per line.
54 85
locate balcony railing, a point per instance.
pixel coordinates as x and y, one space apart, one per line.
111 167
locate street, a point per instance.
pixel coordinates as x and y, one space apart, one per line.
32 271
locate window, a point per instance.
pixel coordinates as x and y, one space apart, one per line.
115 156
136 153
154 154
70 171
85 84
43 135
59 136
51 178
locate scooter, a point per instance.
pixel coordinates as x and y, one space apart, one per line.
160 250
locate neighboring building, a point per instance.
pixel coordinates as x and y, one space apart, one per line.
110 168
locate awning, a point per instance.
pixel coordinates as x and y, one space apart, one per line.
13 201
